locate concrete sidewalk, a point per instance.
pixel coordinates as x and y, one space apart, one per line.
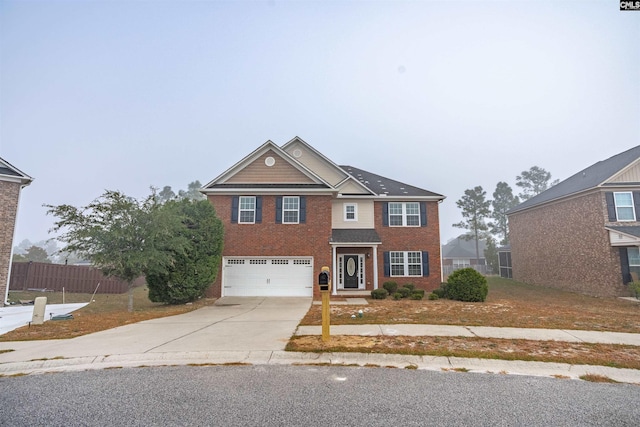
568 335
256 330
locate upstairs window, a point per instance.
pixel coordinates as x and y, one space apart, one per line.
404 214
624 206
247 210
290 209
350 212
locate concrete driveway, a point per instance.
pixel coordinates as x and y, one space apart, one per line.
232 324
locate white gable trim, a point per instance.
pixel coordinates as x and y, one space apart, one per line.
269 145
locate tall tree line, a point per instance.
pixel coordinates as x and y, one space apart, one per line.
487 218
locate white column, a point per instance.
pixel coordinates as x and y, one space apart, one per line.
375 267
334 263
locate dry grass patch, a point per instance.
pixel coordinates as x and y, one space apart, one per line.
619 356
509 304
107 312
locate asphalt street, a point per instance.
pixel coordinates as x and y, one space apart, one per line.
310 396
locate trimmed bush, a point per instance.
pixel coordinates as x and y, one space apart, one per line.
634 287
379 294
418 291
466 285
391 287
417 295
405 292
410 286
433 296
440 293
397 295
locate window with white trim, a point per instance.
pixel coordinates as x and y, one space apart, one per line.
404 214
350 211
624 206
290 209
247 210
406 263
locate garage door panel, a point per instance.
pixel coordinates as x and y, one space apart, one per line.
268 276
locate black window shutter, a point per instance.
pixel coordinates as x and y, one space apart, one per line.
385 214
258 209
624 265
303 209
636 203
235 200
423 214
611 206
387 265
425 263
279 210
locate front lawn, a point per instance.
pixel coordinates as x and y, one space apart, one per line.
509 304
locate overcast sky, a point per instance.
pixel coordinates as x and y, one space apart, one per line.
445 96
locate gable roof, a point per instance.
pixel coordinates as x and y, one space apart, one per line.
383 186
312 180
8 172
463 248
354 181
592 177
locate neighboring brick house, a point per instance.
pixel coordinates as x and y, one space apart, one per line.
12 180
288 211
582 234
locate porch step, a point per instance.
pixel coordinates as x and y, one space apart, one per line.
344 293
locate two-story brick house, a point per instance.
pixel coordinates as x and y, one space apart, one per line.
288 211
12 180
582 234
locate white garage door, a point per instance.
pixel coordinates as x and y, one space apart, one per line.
289 277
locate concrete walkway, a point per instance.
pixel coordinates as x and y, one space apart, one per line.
256 330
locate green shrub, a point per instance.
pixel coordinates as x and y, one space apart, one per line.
397 295
391 287
634 287
466 285
405 292
417 295
440 292
379 294
418 291
410 286
433 296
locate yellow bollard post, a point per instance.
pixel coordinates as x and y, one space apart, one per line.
324 282
326 316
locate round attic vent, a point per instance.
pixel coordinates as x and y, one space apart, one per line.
269 161
297 153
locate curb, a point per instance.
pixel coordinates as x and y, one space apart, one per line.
432 363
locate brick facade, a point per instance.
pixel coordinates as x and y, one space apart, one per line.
565 245
9 195
271 239
312 239
411 239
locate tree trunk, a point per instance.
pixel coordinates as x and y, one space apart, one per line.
130 306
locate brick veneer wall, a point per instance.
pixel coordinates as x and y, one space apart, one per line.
411 239
271 239
9 194
564 245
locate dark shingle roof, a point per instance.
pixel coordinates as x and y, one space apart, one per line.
381 185
591 177
354 235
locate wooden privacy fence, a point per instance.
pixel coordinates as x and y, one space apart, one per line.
73 278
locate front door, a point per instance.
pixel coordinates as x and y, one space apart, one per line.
351 272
